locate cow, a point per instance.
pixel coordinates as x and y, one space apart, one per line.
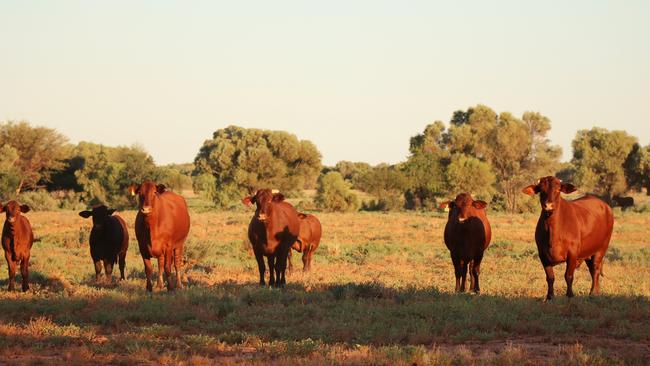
570 231
17 240
467 235
161 227
273 229
109 240
623 202
308 239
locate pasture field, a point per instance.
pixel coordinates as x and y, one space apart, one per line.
381 292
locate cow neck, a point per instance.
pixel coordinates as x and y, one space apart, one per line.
553 222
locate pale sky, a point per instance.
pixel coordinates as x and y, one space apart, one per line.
357 78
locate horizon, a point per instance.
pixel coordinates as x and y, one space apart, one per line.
357 79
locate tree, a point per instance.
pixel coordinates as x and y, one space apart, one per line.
40 152
352 170
9 172
386 183
598 158
637 168
499 149
468 174
333 193
244 160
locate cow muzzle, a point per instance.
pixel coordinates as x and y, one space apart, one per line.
262 217
462 219
146 210
548 206
11 220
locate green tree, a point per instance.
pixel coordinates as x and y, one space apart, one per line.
468 174
9 172
598 158
40 152
243 160
333 193
386 183
637 168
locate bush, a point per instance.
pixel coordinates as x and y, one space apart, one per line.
39 200
333 194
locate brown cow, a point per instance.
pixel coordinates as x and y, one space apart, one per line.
467 235
570 231
17 240
308 239
272 231
109 240
161 227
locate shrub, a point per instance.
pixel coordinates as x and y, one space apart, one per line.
333 194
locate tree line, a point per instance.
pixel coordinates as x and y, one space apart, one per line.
489 154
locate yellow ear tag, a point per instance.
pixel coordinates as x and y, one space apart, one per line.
132 192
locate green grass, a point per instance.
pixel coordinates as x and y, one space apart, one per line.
381 292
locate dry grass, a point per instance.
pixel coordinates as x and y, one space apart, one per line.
380 293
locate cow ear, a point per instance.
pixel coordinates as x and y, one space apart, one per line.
85 214
2 207
567 188
24 208
134 189
161 188
531 190
111 211
479 204
444 205
278 197
248 200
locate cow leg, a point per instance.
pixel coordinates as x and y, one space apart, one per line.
11 267
98 269
476 271
161 263
595 264
471 275
568 276
108 269
306 260
24 271
458 272
178 255
122 264
168 269
290 265
463 280
260 266
281 268
148 270
271 260
550 279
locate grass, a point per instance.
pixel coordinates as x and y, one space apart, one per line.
381 292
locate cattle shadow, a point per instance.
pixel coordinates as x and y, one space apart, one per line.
347 313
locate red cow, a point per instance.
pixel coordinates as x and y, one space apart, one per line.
467 235
17 240
109 240
308 239
570 231
161 227
272 231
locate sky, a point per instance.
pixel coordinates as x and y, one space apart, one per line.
358 78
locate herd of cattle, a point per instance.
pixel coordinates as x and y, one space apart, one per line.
567 231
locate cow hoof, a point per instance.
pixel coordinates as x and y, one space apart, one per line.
25 288
149 288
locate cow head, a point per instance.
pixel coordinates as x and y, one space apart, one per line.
464 206
549 189
148 193
263 198
100 215
13 209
